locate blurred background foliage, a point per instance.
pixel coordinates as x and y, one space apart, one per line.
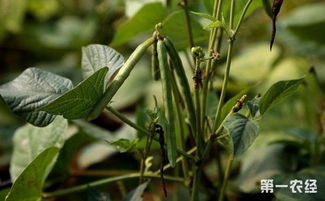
49 34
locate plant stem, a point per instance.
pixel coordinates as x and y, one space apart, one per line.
179 159
145 154
106 181
241 18
228 64
196 183
225 179
140 129
188 23
212 43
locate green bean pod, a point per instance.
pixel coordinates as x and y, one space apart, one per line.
154 62
185 88
121 76
168 103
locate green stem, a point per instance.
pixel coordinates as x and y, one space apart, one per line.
196 183
145 154
241 18
106 181
225 179
228 64
179 159
214 41
188 24
140 129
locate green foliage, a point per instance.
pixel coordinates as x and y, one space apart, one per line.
242 132
144 20
278 92
82 100
30 141
174 26
28 186
95 57
33 89
239 7
264 146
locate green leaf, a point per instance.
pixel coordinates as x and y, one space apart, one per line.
31 90
242 131
29 141
4 193
82 100
144 20
227 107
253 107
136 194
174 26
29 184
204 15
278 92
94 195
95 57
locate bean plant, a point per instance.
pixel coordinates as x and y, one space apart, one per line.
178 128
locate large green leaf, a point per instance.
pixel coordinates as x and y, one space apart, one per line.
278 92
136 194
144 20
29 141
31 90
80 101
29 184
174 26
242 131
95 57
